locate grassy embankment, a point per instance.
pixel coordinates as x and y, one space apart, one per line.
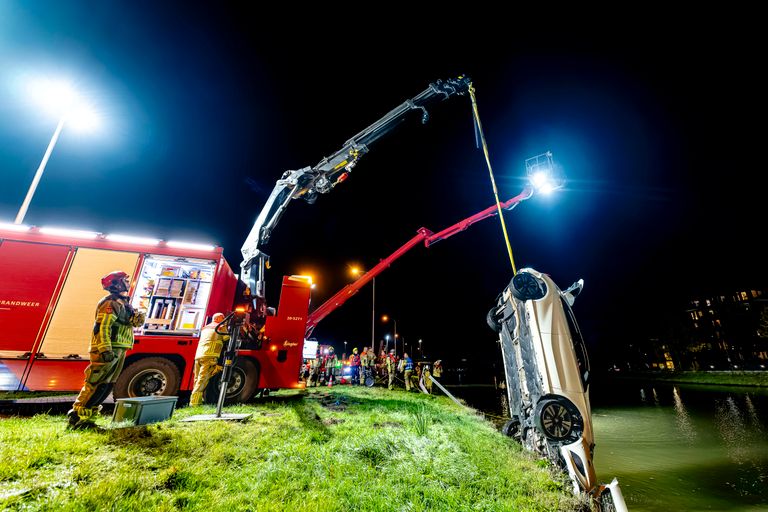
714 378
339 449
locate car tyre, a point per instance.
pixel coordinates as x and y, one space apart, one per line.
558 419
526 286
493 320
512 429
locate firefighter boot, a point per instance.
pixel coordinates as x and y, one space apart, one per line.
81 418
196 399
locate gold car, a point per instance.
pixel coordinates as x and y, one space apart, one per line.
548 376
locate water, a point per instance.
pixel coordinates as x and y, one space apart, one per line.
675 447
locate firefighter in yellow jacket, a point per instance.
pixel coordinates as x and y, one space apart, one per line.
112 337
207 358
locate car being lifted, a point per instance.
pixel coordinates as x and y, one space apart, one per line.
548 376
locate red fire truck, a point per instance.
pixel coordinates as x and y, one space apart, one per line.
50 282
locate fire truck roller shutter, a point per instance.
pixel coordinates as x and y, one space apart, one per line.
29 276
71 326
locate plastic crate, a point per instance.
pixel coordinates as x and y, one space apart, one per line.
144 410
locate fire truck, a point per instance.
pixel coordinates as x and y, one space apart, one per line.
49 285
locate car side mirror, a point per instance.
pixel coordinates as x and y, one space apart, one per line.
573 291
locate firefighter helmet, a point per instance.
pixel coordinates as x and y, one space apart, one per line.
115 282
354 350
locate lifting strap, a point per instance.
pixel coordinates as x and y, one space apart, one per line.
479 128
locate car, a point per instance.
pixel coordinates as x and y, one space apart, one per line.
548 375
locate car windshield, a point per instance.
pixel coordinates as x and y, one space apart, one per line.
578 344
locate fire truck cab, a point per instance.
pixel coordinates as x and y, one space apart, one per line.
49 287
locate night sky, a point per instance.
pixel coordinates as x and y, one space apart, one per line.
657 129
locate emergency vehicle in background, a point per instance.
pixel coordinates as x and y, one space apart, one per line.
50 283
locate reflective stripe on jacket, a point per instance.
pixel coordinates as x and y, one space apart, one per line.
112 327
211 342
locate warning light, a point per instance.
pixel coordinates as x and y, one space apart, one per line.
273 347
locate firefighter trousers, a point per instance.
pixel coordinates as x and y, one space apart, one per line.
407 376
205 368
100 378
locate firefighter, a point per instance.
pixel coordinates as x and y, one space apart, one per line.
437 369
329 361
354 365
112 337
369 364
207 358
407 365
391 366
381 364
427 379
315 367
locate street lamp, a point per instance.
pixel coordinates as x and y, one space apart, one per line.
60 98
385 319
420 350
357 272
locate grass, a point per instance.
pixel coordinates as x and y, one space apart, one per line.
322 450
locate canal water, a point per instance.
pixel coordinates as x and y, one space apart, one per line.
674 447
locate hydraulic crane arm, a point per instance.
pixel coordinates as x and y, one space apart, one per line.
307 182
423 235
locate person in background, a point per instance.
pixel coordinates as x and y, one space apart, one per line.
329 362
391 364
437 369
207 358
315 367
112 337
369 364
354 366
407 370
427 378
381 364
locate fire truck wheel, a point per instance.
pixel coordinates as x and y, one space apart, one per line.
242 385
147 377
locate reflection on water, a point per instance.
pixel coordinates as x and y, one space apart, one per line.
674 448
684 423
688 448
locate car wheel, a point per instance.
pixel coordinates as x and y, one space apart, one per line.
512 428
526 286
558 419
242 383
606 502
149 376
493 320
